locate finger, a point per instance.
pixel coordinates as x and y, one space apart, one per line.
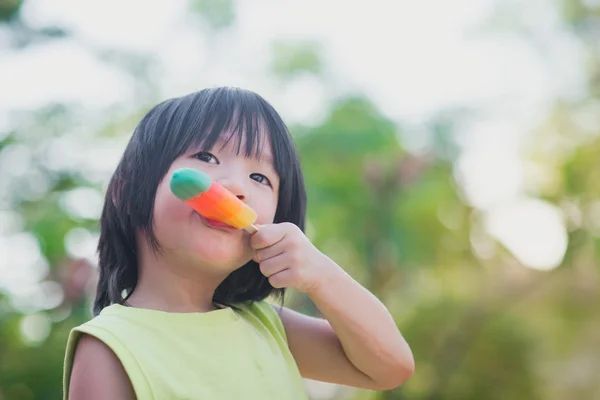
273 265
267 236
269 252
282 279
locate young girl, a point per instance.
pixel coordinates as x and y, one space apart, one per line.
180 309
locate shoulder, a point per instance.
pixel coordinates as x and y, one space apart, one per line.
264 310
266 314
98 362
97 373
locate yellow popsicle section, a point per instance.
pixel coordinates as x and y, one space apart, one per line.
211 200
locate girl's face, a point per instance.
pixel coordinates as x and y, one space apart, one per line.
190 238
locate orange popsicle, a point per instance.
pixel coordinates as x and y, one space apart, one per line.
211 200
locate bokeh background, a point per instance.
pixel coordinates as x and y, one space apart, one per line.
451 151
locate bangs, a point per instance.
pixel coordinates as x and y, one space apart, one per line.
245 127
226 115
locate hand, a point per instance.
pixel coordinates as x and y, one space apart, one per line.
289 259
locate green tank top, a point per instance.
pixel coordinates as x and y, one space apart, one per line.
222 354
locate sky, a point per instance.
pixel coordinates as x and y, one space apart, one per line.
413 59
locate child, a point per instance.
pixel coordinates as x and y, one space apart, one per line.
180 310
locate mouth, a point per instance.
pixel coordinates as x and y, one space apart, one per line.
211 223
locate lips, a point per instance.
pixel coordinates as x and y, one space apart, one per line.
215 224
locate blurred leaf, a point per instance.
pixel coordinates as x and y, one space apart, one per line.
290 59
9 9
574 12
54 32
217 14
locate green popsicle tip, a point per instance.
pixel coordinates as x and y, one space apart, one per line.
187 183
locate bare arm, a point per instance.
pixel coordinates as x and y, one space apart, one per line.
97 373
359 343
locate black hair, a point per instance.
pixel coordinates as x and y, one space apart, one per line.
167 131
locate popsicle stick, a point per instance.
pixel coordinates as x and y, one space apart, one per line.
251 229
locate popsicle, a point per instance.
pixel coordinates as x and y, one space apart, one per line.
211 199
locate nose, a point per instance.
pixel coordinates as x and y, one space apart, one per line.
235 186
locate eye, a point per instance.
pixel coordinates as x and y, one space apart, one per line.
206 157
260 178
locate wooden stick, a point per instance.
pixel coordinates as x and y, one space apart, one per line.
251 229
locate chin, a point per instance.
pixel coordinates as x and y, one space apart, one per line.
219 254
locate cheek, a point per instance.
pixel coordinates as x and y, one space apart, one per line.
265 211
169 211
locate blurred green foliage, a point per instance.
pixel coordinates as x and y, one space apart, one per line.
291 59
480 327
9 9
216 14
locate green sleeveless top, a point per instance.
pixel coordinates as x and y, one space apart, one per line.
223 354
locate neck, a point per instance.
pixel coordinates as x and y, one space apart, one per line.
171 285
